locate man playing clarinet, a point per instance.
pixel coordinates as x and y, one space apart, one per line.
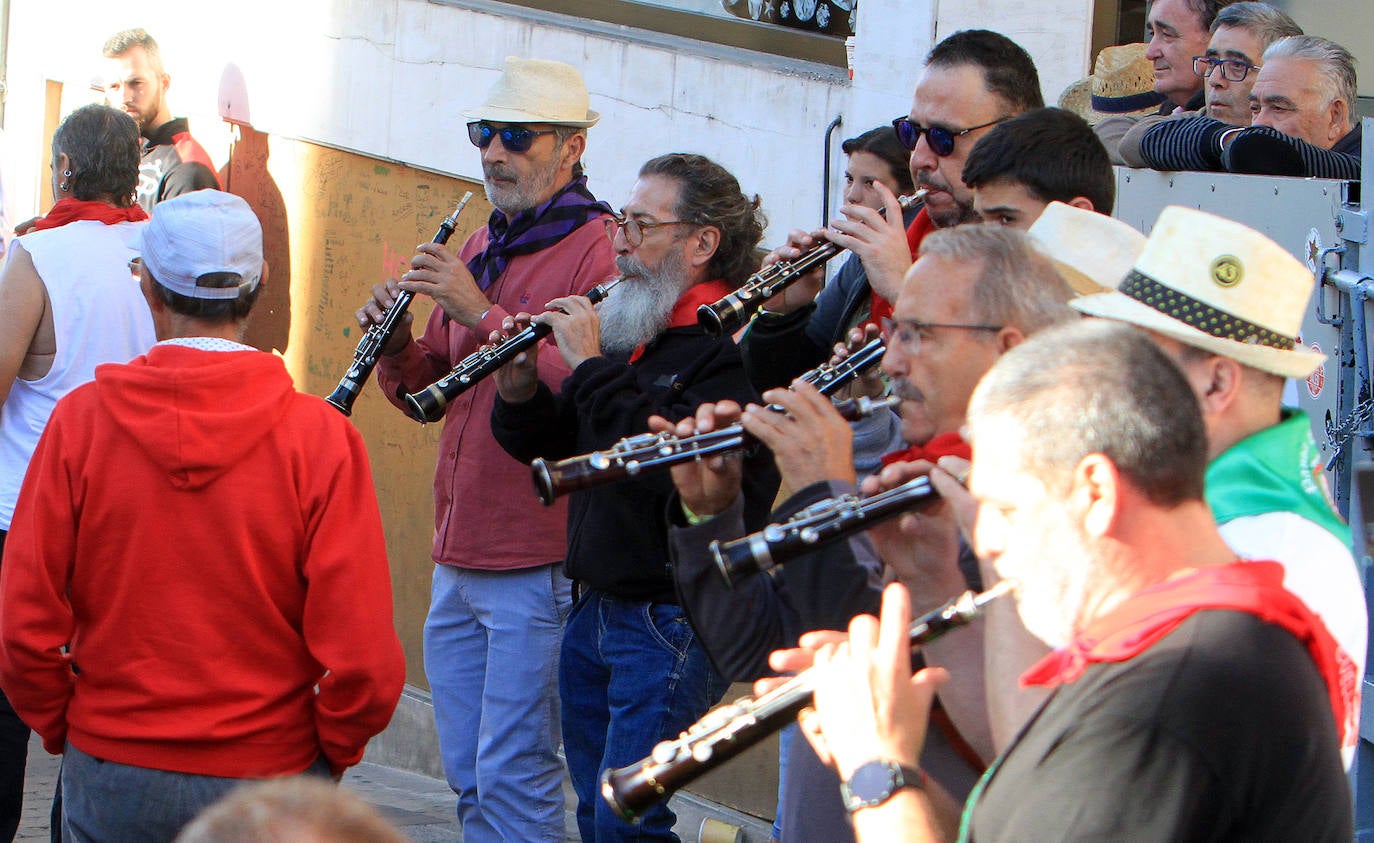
632 670
499 596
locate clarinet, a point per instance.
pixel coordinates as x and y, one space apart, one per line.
817 525
635 455
428 404
371 345
733 310
729 730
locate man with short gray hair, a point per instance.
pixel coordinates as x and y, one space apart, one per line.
1303 105
1240 35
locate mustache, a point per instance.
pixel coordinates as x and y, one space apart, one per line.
906 390
630 266
924 180
498 171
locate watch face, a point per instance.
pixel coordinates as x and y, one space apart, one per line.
873 782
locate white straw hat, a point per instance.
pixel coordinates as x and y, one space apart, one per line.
537 91
1092 251
1216 285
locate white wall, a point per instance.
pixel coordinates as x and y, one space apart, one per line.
390 78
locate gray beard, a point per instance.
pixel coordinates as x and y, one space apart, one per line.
639 308
523 195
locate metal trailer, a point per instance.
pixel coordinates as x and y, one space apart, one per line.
1326 224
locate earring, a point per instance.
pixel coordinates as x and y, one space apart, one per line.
66 183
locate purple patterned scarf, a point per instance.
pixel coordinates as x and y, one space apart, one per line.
534 230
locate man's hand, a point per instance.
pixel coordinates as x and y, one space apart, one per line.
576 328
867 703
879 242
518 380
26 226
870 383
707 487
372 313
802 291
810 441
921 548
438 273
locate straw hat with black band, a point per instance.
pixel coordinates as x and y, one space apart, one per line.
1122 85
1219 286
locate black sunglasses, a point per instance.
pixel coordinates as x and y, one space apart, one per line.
940 139
513 138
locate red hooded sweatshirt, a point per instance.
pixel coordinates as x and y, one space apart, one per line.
208 542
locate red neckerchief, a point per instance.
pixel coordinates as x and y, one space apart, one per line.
944 445
1146 617
70 210
881 308
685 311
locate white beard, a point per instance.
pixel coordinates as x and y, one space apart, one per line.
639 308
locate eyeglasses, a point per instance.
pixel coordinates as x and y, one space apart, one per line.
635 228
940 139
908 332
1232 70
516 139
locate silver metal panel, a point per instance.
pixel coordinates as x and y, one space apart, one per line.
1298 214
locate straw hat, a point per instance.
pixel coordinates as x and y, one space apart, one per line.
537 91
1122 84
1092 251
1219 286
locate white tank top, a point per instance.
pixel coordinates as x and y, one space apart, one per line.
99 316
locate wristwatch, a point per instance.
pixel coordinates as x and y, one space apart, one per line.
874 782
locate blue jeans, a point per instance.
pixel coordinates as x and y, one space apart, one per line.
109 802
491 655
632 674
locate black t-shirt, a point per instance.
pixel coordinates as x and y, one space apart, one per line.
1220 732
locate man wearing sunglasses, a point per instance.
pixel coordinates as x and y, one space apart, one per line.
499 595
633 671
1302 104
1240 35
972 81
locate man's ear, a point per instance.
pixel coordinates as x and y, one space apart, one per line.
705 241
573 148
1008 337
1097 493
1081 202
1340 120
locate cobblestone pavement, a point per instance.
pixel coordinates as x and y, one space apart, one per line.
422 807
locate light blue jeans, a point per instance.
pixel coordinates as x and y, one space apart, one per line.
109 802
491 655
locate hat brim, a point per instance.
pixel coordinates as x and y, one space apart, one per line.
1298 363
497 114
1079 281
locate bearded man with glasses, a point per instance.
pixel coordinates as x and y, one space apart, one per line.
499 595
633 671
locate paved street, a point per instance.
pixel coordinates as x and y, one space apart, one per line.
421 807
